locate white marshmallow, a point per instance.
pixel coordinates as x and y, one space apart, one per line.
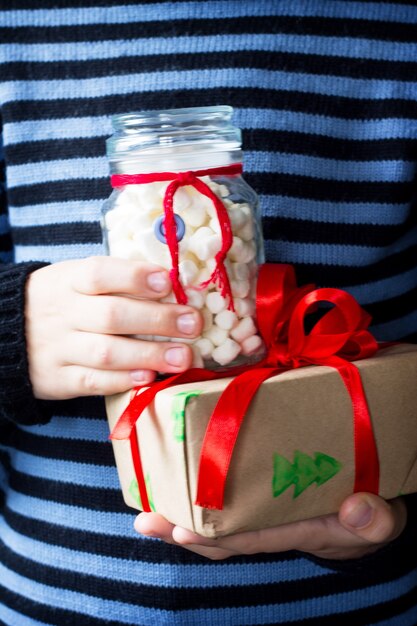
223 191
210 264
152 249
214 224
208 248
226 352
197 357
200 235
119 232
126 249
245 328
188 272
182 200
195 298
249 252
240 271
203 275
216 335
236 251
226 319
207 319
240 288
130 233
247 231
215 302
251 345
237 217
146 195
205 347
244 307
195 215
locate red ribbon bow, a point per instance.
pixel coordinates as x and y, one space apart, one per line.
338 338
182 179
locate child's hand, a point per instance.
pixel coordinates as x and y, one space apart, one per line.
79 315
365 523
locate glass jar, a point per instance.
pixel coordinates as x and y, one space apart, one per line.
179 201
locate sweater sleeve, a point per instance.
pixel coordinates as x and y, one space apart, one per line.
17 402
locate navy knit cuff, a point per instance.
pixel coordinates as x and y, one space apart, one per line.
17 402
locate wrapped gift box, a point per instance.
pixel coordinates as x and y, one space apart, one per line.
294 456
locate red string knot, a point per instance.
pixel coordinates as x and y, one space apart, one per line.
186 178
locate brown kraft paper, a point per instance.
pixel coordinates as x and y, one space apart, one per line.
294 456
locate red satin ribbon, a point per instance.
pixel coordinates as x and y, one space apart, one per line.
338 338
181 179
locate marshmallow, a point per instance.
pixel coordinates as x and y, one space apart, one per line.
188 272
226 319
195 298
207 319
129 220
182 200
207 248
126 250
251 345
244 307
205 347
198 359
195 215
245 328
223 191
215 302
204 243
146 196
240 288
249 252
237 217
214 224
247 231
152 249
203 276
216 335
226 352
236 251
240 271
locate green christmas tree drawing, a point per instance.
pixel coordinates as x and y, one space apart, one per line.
134 492
302 472
179 403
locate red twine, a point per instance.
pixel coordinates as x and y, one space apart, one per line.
341 336
192 178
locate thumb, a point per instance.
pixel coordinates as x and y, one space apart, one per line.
372 518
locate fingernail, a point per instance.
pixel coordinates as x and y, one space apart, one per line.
187 323
175 356
360 515
157 281
140 377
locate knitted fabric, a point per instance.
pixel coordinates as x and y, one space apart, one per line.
325 93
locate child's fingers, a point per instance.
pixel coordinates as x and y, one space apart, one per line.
117 315
110 352
106 275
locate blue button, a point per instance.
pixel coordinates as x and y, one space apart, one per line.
159 228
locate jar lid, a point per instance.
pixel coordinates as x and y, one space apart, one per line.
174 136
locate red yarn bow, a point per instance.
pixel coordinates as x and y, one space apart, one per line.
338 338
182 179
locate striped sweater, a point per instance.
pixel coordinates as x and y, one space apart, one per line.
326 95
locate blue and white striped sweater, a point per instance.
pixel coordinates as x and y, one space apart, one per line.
325 93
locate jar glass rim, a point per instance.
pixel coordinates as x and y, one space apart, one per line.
138 118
